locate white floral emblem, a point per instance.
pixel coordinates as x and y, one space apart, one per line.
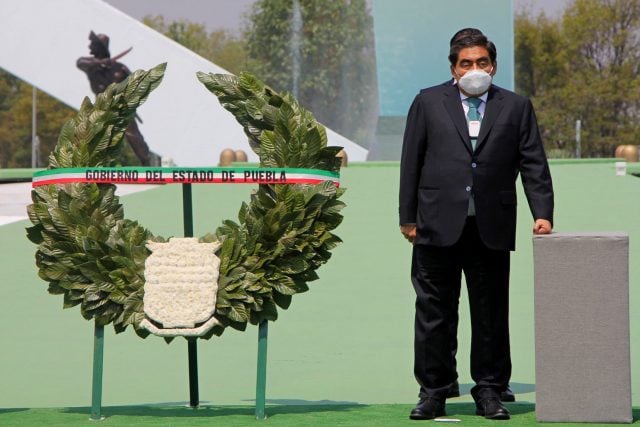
180 289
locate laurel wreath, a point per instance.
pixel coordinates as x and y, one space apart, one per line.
94 257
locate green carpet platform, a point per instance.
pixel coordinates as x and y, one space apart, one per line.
342 353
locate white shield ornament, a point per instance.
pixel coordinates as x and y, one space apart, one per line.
181 283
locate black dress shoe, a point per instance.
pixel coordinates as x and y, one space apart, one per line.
507 395
428 408
454 390
492 409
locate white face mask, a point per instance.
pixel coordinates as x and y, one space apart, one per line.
475 82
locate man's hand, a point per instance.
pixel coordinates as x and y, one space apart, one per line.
409 232
542 226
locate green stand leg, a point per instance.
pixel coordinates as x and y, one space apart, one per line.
187 210
194 395
96 388
261 381
192 343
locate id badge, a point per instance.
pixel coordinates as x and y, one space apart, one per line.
474 128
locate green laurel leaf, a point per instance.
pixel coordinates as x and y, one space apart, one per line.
93 256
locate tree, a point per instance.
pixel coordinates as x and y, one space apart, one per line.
584 66
540 55
220 47
9 92
329 62
606 49
15 122
542 72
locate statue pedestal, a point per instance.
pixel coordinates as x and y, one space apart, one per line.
583 369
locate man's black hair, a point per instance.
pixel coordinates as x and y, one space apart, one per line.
465 32
470 37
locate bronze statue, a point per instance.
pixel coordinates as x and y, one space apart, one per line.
102 70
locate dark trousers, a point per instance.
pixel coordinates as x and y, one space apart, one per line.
436 275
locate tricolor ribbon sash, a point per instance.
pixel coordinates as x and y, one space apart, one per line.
152 175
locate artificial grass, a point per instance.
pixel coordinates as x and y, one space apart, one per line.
522 414
347 341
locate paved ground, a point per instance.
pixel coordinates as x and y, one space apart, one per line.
16 196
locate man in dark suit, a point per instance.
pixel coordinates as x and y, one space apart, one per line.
454 391
464 146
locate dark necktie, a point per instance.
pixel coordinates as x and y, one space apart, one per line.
473 115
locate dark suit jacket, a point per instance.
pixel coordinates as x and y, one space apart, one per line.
439 171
